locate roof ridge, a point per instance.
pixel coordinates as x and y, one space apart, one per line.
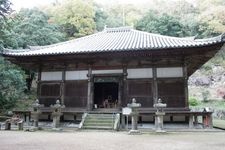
220 37
118 29
7 50
64 42
191 38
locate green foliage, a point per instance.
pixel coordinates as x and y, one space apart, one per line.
27 101
115 16
193 101
121 15
100 17
76 17
164 24
29 27
12 84
214 104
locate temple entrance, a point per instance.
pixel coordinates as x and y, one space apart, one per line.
106 95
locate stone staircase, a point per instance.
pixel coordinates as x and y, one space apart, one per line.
100 121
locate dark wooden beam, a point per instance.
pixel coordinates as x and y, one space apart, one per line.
154 85
90 89
185 75
63 85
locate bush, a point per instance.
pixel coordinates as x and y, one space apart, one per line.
193 101
12 84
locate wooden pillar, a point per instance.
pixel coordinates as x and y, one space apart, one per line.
185 85
155 85
63 86
90 90
210 121
39 82
125 88
120 93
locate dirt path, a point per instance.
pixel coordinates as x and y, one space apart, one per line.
103 140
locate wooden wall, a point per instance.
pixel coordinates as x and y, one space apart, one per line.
141 90
138 84
49 92
76 93
171 91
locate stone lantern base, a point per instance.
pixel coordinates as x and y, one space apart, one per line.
134 132
159 122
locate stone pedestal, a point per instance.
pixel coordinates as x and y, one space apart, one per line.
134 115
56 114
134 129
191 122
27 118
35 117
123 121
159 121
20 126
159 116
56 120
35 113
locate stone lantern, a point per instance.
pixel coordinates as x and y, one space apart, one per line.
134 115
56 113
36 111
159 115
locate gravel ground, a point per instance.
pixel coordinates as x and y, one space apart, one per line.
106 140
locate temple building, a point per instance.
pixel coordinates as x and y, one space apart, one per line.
105 70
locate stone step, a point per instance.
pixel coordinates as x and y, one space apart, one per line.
100 116
92 118
97 127
98 124
99 121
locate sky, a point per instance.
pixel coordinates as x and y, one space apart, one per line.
18 4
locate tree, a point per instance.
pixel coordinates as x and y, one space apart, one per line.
164 24
100 17
28 27
5 9
32 27
212 21
76 17
12 84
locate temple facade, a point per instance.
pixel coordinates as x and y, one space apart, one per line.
105 70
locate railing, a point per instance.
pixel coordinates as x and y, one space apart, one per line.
116 122
82 121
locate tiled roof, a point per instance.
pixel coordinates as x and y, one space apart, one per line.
116 39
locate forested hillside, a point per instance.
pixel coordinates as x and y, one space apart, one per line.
71 19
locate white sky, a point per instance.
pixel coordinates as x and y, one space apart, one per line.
18 4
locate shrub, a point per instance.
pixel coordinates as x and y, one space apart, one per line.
193 101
